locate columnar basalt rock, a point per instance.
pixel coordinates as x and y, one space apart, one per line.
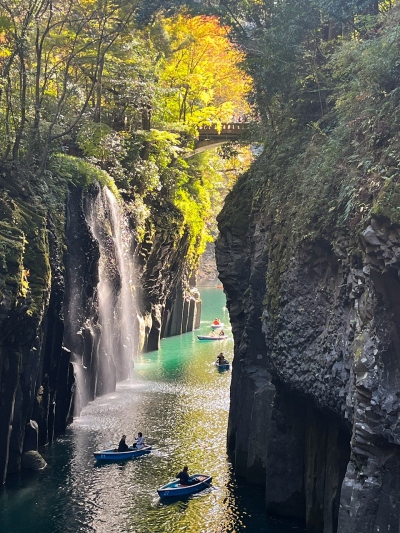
315 385
168 300
49 311
24 293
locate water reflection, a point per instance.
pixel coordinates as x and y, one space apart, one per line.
180 402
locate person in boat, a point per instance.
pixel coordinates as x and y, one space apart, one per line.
139 444
183 477
221 333
221 359
216 322
122 446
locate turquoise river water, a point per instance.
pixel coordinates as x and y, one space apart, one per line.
180 402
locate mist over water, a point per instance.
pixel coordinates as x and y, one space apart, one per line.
116 289
180 401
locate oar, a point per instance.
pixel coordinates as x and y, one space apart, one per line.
207 484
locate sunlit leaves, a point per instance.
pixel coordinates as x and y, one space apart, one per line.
200 73
81 77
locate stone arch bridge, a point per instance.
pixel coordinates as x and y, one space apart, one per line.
209 137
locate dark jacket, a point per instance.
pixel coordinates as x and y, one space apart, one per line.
183 477
122 446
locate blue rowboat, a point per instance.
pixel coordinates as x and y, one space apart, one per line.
224 366
114 455
174 488
212 337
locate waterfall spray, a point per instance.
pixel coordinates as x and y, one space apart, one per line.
117 305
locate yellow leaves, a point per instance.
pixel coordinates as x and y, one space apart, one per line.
4 52
201 71
24 283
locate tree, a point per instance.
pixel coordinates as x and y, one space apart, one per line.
53 58
200 73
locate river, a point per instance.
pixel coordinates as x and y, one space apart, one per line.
180 402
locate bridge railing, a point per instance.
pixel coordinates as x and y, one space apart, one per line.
233 128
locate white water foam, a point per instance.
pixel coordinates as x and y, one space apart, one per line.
118 315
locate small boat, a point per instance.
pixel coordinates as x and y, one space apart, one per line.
114 455
212 337
175 489
217 326
223 366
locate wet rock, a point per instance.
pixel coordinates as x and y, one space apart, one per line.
326 325
49 309
31 439
32 460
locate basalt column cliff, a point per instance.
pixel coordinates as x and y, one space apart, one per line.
309 256
80 295
317 367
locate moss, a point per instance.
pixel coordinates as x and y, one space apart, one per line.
24 255
12 241
278 262
387 203
81 173
235 215
358 345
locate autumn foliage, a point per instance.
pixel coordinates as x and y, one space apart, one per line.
201 74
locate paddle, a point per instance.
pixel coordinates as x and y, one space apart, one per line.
209 486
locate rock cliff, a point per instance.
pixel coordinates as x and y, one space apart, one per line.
315 395
53 358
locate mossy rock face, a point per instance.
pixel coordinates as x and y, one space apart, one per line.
12 243
24 249
235 216
24 256
387 203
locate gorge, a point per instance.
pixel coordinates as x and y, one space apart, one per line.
102 225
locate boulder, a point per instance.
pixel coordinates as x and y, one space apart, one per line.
32 460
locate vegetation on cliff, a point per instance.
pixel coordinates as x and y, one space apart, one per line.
327 94
326 88
111 92
114 91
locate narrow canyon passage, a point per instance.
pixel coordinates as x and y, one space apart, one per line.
180 401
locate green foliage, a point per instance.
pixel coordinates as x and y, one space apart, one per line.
81 173
87 94
160 172
330 121
92 139
24 261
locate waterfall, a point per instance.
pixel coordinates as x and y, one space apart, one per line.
117 307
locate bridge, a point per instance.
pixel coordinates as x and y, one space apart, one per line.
210 137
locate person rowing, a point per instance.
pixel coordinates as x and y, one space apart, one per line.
183 477
221 360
